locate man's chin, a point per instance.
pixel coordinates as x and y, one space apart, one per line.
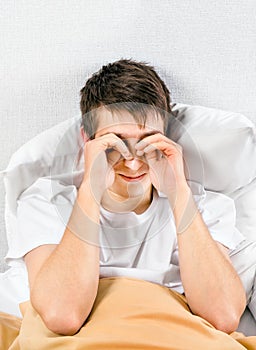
135 195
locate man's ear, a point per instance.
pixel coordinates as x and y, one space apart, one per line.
83 134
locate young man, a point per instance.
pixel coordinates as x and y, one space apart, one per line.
135 216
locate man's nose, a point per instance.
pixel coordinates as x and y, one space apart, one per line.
134 164
137 161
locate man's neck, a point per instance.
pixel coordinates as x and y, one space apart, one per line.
119 204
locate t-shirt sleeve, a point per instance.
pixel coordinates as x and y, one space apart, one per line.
219 214
43 211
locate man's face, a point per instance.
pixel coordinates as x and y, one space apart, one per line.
131 176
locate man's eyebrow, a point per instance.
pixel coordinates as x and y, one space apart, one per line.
123 136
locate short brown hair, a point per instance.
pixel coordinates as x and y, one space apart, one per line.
124 84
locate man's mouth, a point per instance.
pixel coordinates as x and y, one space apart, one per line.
132 178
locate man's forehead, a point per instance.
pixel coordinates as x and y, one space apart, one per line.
122 122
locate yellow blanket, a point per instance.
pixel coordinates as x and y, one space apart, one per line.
127 314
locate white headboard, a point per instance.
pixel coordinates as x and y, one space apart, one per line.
205 51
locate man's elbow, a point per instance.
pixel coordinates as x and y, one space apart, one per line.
227 321
62 320
63 324
227 326
60 317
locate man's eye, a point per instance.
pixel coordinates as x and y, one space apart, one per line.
125 142
109 150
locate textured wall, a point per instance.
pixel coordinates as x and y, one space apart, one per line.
206 52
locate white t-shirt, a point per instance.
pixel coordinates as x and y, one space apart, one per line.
141 246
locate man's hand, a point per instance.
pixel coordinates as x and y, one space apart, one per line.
100 155
165 161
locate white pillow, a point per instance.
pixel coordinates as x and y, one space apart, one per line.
219 147
219 150
245 203
51 153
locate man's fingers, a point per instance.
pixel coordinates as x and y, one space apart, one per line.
159 141
121 147
113 156
114 143
166 149
156 150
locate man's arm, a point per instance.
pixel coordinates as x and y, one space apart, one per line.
64 278
212 286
